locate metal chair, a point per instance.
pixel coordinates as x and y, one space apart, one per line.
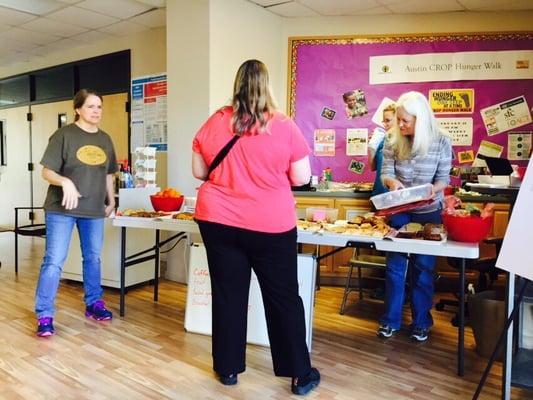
26 230
360 261
486 267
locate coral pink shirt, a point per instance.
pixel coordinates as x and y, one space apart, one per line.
250 188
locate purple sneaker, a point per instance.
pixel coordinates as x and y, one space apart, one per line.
45 327
98 311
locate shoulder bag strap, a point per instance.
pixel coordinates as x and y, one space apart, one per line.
221 155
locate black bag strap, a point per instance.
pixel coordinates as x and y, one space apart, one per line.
221 155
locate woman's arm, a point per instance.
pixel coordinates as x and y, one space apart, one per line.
199 167
300 172
70 192
110 191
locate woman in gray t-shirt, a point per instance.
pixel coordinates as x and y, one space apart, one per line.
79 163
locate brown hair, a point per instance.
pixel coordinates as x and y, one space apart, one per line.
252 99
80 97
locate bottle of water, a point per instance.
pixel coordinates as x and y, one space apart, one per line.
128 178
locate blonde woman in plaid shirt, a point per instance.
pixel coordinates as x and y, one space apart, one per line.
418 153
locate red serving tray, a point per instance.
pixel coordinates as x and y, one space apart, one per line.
403 208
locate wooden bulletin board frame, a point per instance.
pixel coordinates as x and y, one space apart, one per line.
321 69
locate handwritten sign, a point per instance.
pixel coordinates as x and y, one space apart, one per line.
198 308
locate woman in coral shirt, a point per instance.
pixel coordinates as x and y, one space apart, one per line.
246 214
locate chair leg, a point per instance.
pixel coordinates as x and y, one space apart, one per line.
16 253
346 289
359 279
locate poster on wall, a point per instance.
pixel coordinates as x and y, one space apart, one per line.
149 112
324 142
507 115
356 142
461 130
519 145
488 149
452 101
464 73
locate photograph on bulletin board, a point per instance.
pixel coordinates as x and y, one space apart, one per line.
479 85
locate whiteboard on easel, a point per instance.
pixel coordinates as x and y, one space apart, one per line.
198 307
515 254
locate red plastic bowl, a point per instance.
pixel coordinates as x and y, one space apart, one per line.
521 172
467 229
166 203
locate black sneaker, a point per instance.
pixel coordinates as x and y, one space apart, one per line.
45 327
305 384
98 311
228 380
420 334
386 331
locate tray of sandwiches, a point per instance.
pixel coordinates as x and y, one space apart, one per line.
430 233
141 213
368 225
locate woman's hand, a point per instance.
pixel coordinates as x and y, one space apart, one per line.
70 194
109 209
393 184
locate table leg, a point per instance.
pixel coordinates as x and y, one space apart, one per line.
461 333
122 269
156 271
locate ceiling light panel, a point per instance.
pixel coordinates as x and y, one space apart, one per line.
424 7
12 17
91 37
27 36
151 19
339 7
154 3
292 10
123 28
117 8
37 7
52 27
82 17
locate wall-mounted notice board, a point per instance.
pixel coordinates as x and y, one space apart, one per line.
480 87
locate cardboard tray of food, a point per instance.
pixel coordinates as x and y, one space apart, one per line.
429 233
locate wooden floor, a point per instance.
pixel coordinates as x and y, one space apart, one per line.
148 355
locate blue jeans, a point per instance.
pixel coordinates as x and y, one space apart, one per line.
58 234
422 267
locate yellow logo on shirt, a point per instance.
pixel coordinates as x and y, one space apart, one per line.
91 155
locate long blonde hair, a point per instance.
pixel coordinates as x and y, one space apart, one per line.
426 128
252 98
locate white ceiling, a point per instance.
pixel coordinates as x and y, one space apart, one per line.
30 29
313 8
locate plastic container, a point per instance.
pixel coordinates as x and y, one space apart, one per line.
402 196
161 203
321 214
466 229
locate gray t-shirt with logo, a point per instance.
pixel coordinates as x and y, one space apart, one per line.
85 158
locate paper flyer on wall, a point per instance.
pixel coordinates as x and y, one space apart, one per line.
488 149
324 142
518 145
461 130
452 101
504 116
356 142
149 112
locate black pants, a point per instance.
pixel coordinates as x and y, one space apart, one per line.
231 255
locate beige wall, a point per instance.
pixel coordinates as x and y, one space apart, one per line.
148 54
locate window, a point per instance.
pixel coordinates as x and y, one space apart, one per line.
15 91
54 83
3 144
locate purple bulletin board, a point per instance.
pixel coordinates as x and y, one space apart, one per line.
322 69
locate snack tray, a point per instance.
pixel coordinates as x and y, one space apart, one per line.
392 236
